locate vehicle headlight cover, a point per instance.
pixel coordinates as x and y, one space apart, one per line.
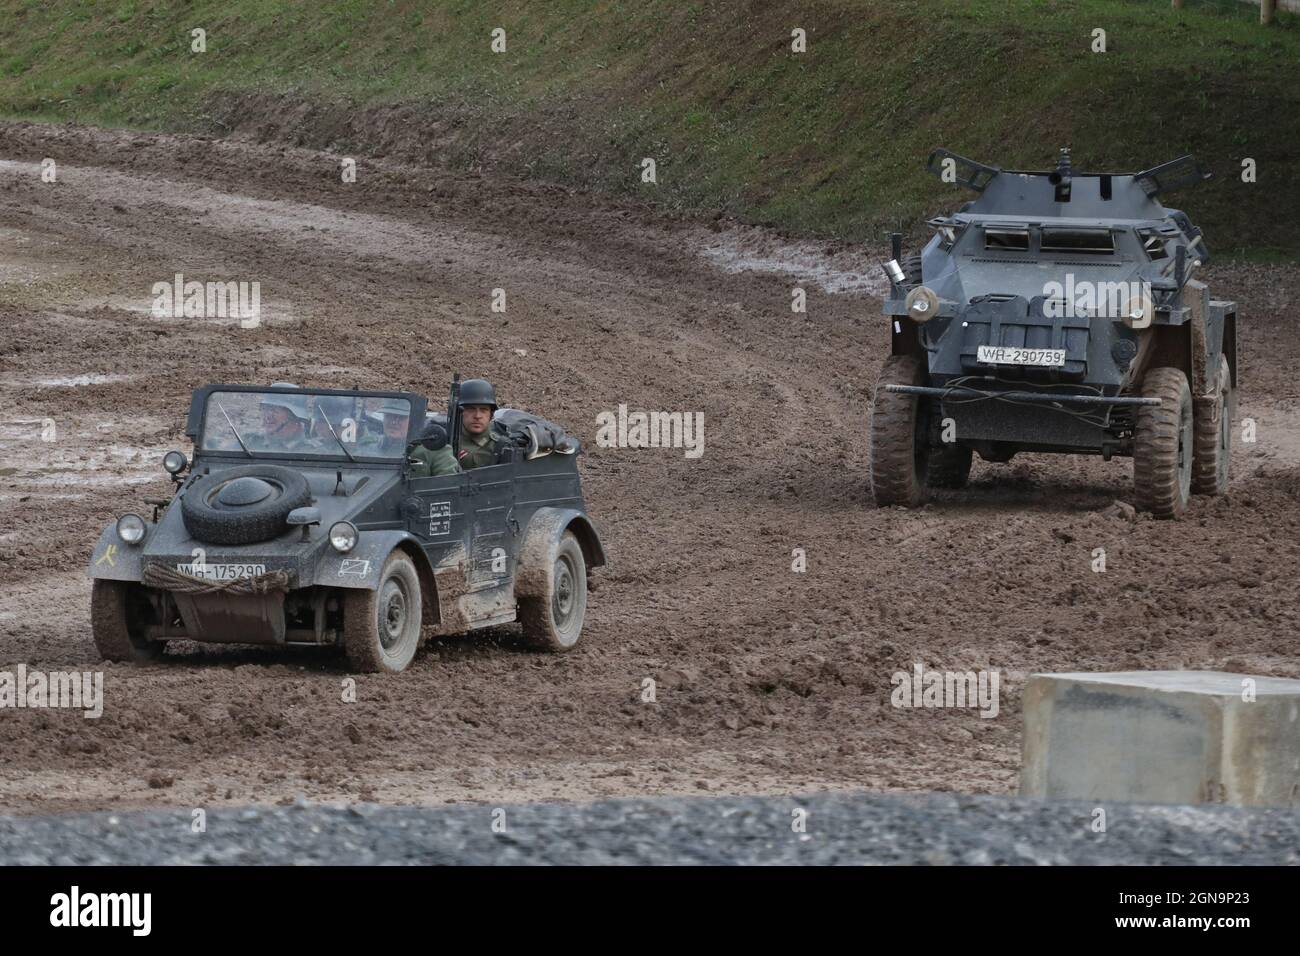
174 462
130 528
922 304
343 536
1138 312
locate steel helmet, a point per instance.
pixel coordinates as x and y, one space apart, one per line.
295 404
478 391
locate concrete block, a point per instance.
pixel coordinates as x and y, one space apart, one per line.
1184 737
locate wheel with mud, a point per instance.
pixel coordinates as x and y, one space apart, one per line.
1163 443
243 505
381 628
900 455
118 612
553 620
1212 445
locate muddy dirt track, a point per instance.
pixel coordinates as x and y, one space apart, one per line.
767 680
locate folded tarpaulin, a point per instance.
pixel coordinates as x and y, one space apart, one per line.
536 434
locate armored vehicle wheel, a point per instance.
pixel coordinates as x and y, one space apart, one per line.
948 467
900 457
381 628
116 619
1212 447
1162 450
553 621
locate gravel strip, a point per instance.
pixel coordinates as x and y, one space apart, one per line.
841 828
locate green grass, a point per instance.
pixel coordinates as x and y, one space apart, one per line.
828 142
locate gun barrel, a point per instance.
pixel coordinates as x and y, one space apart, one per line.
453 415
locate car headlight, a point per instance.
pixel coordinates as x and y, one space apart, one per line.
130 528
1138 312
174 462
922 304
343 536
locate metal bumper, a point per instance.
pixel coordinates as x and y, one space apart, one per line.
1045 398
221 619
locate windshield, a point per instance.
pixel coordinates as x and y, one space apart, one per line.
304 423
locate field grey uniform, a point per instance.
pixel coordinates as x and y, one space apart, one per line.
477 451
429 463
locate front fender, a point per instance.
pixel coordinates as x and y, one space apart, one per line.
542 537
114 561
361 567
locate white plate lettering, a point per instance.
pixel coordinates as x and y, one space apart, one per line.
1011 355
223 572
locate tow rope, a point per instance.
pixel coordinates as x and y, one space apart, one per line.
169 579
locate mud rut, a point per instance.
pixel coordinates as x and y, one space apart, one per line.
767 680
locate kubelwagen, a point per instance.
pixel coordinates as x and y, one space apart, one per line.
299 521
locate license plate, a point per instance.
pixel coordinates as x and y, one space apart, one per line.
1009 355
223 572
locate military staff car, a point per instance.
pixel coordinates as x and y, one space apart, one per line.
1057 312
302 519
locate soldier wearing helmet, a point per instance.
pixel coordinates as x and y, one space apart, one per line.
284 420
478 402
394 415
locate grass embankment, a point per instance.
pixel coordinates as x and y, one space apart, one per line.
826 142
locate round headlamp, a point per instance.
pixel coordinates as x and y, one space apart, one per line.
130 528
922 304
1139 312
343 536
174 462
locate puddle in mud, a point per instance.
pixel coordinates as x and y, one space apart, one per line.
273 312
76 381
856 272
114 465
81 454
27 259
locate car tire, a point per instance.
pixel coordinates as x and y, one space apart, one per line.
381 628
899 454
1163 444
247 524
1212 447
553 620
114 624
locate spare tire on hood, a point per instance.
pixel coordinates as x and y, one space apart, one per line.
243 505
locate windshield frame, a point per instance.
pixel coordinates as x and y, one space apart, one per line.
196 423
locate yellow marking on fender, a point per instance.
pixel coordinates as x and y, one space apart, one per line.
108 555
